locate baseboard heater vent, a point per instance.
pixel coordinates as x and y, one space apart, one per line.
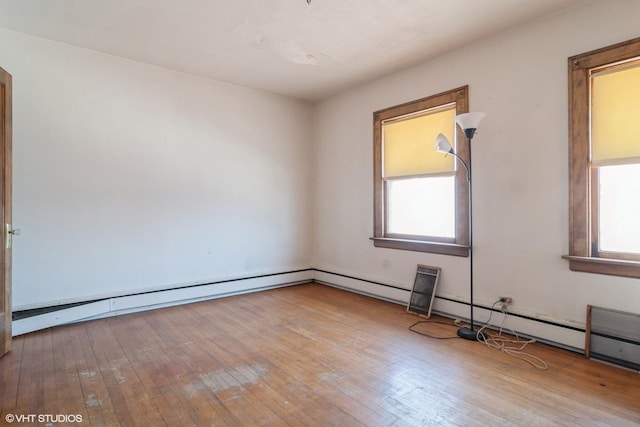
613 336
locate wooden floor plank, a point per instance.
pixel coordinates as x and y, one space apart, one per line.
10 375
307 355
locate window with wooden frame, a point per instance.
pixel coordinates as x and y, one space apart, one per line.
420 195
604 160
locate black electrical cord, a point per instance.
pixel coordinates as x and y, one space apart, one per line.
432 336
448 324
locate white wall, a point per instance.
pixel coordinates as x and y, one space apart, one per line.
520 158
130 177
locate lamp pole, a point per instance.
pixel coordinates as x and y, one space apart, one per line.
470 333
468 122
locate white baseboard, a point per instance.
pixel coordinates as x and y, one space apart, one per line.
545 329
389 293
548 330
59 317
118 305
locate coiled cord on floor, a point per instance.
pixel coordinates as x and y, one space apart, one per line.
498 342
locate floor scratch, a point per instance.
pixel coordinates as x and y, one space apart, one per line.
227 379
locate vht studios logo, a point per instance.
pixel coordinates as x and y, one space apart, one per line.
43 418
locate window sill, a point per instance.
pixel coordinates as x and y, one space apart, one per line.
421 246
609 266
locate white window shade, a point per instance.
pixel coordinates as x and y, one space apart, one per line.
408 145
615 113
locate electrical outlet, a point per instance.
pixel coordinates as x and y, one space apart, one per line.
506 300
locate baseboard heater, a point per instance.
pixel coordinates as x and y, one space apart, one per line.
613 336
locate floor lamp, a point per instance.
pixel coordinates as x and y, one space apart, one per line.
468 122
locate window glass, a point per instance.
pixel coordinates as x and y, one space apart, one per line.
619 204
422 206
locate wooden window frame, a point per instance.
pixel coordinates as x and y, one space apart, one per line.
583 206
459 246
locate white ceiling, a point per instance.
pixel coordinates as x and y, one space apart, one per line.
306 51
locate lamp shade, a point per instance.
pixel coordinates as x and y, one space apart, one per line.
615 111
469 120
443 145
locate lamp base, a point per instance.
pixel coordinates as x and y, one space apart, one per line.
472 335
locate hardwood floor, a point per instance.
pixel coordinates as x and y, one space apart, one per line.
304 355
